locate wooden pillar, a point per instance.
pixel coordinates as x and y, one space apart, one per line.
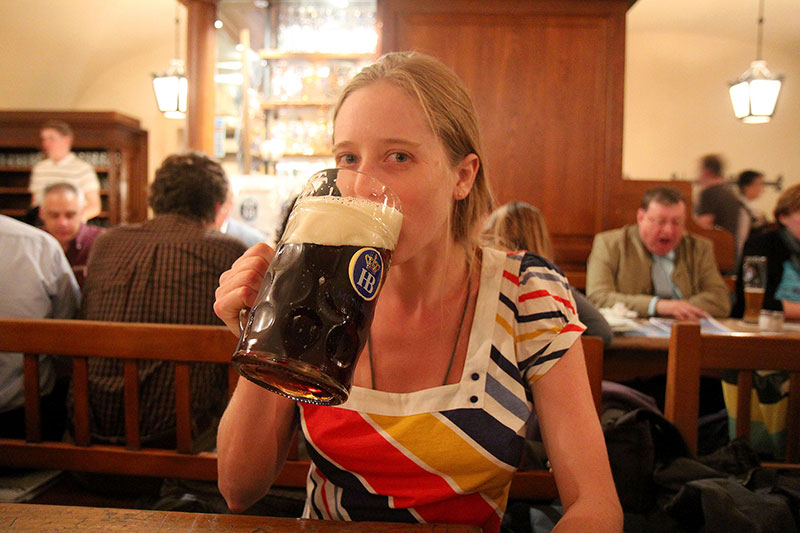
200 65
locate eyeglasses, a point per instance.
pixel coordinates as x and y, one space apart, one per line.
664 222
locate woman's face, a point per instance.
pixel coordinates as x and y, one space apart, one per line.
792 223
383 132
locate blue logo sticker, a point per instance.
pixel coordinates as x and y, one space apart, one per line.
366 272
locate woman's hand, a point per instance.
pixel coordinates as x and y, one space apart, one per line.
238 287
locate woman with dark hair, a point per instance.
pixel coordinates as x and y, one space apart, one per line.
781 246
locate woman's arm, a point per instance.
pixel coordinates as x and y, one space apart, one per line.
791 309
257 428
253 440
575 446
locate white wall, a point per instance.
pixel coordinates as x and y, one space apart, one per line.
127 87
82 55
677 109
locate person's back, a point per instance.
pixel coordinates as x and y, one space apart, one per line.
35 282
164 270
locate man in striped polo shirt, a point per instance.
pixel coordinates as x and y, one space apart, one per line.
62 165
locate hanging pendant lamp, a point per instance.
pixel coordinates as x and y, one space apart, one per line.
171 87
755 94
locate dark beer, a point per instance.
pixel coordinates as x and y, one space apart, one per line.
313 313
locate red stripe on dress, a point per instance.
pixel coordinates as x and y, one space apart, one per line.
354 445
542 293
511 277
571 327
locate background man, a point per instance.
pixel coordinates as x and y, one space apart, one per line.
61 213
717 203
235 228
655 267
164 270
63 165
35 282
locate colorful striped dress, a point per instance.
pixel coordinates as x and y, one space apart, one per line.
447 454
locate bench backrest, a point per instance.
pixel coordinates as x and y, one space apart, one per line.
184 345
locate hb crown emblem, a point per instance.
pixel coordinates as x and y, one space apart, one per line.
373 263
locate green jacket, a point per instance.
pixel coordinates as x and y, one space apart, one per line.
619 271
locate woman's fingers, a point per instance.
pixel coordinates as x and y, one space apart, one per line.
239 286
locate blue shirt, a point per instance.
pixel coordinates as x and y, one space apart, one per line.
667 264
36 281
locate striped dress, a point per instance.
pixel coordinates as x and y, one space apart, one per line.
447 454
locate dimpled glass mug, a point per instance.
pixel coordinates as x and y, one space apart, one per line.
312 315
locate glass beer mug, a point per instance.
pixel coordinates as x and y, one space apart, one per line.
312 315
754 272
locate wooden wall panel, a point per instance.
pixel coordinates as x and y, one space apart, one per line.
546 77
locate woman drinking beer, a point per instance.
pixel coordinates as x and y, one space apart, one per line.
463 340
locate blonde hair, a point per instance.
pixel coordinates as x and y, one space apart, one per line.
788 202
520 226
452 118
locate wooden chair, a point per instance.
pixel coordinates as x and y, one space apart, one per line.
690 353
540 484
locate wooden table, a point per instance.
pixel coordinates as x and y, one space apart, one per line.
629 357
51 518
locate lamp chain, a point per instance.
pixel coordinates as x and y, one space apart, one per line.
760 29
177 32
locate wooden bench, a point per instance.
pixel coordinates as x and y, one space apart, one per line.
80 340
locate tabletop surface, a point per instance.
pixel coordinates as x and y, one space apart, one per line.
30 517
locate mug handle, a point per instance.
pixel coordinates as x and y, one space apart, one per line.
244 313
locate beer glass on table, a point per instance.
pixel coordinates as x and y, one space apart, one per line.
754 273
312 316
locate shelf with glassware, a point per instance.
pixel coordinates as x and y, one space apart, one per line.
114 144
300 93
16 166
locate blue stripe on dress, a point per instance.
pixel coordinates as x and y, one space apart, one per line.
505 300
357 501
537 359
506 398
557 278
489 433
541 316
505 365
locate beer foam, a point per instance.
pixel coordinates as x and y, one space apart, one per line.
337 221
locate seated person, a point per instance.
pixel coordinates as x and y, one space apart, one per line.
520 226
62 165
655 267
228 225
164 270
61 214
35 282
781 247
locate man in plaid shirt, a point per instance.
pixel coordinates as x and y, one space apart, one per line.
164 270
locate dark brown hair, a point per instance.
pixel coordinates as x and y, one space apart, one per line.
189 184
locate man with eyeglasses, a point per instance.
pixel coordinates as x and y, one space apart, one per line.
655 267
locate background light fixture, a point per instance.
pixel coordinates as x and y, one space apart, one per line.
755 94
171 87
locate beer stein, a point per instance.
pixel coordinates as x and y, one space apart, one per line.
312 315
754 274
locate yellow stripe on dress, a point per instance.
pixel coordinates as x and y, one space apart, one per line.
432 444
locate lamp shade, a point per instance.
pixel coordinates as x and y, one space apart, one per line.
171 89
755 94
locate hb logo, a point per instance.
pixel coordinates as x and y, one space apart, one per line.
366 270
